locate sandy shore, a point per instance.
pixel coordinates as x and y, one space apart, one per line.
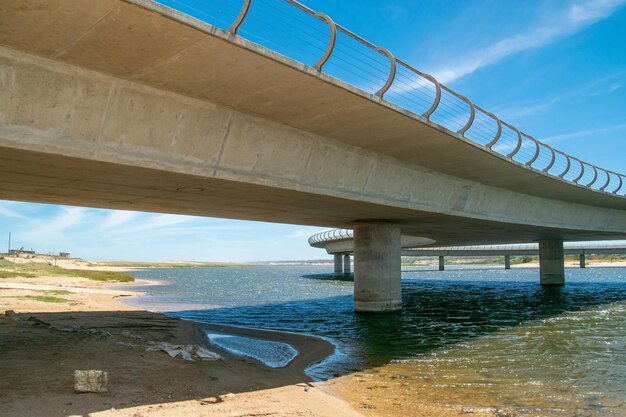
44 342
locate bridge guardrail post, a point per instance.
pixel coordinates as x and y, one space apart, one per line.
582 171
552 160
530 163
241 17
569 164
331 41
519 141
595 176
392 72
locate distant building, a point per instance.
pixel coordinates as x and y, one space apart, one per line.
18 252
64 254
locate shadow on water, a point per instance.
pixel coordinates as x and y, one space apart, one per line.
435 314
330 277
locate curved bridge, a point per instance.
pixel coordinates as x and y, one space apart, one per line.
340 243
266 110
343 54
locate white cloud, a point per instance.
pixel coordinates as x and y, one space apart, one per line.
117 218
597 87
7 211
584 133
576 18
305 233
68 217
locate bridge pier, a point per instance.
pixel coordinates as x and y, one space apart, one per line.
507 261
377 274
346 263
442 263
551 262
583 263
338 266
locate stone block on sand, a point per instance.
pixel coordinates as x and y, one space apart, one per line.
91 381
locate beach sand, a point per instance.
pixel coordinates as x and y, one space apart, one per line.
44 342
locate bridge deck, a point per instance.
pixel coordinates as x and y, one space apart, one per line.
168 50
111 104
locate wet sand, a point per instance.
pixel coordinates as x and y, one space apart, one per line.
44 342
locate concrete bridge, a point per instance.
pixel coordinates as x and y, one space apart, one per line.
340 243
133 105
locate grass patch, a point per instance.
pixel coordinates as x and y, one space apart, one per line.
5 264
57 292
35 269
44 298
13 274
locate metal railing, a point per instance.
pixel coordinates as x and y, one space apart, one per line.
330 236
314 39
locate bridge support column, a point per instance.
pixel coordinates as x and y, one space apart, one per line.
346 264
338 268
507 261
442 263
583 263
377 275
551 262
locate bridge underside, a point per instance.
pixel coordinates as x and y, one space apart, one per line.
40 177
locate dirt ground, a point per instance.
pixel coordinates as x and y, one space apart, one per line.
43 342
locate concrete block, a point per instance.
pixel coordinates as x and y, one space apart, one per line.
91 381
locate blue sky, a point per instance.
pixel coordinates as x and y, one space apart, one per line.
556 69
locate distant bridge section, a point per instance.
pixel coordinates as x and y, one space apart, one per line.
340 242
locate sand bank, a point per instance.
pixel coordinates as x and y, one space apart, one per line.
63 324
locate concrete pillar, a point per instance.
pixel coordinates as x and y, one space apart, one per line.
583 263
377 286
338 269
551 262
442 263
346 264
507 261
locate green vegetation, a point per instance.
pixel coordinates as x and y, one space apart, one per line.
44 298
35 269
11 274
57 292
516 260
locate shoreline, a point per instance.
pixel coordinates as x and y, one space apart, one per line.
302 343
42 343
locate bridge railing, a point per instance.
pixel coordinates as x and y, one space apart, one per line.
330 236
314 39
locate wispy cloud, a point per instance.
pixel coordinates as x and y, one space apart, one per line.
597 87
67 218
118 218
305 233
7 211
585 133
577 17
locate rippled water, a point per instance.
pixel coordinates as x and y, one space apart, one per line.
479 337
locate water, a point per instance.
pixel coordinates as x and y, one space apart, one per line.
272 354
472 337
